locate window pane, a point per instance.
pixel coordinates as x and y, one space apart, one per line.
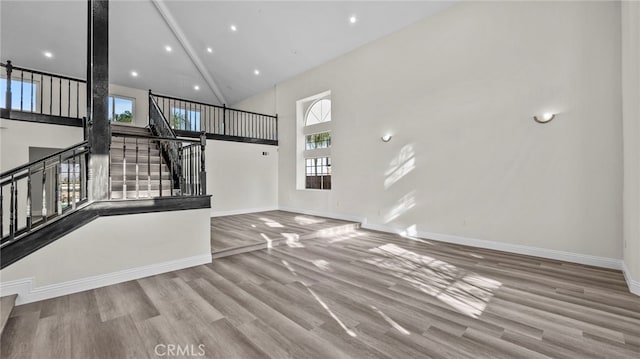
110 107
27 89
318 173
318 140
319 112
122 109
186 120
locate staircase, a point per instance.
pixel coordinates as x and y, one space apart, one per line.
138 161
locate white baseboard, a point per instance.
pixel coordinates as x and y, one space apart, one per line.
596 261
634 285
344 217
242 211
27 293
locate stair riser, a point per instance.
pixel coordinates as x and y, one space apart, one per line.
142 168
141 186
141 194
131 151
140 160
131 176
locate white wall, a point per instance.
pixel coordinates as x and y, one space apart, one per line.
117 246
631 126
240 179
17 136
458 92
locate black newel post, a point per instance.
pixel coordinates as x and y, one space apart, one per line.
8 96
203 172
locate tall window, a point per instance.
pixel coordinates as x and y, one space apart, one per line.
121 109
317 144
186 120
23 94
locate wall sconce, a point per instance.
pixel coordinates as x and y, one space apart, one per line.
547 117
386 138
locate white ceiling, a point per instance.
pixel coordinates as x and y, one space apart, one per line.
280 39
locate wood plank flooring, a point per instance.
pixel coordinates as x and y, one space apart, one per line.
245 230
358 294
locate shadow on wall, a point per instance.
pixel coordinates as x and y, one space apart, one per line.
400 166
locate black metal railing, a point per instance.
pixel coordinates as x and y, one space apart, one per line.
160 127
192 116
140 168
35 193
41 93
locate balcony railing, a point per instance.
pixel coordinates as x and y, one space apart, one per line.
31 94
188 117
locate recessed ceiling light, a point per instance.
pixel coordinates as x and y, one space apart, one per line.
353 19
209 50
256 72
48 54
134 74
233 28
168 48
196 87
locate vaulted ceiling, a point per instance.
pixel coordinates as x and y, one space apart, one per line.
278 39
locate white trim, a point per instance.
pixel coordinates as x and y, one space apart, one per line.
27 293
587 259
634 285
242 211
341 216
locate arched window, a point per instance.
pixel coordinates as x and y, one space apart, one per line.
316 129
318 112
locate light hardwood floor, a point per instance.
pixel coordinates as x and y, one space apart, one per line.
243 230
359 293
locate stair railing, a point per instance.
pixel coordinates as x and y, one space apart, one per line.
33 194
160 127
143 174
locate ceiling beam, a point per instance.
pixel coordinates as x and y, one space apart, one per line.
186 45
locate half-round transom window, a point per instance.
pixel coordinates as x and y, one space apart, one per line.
319 112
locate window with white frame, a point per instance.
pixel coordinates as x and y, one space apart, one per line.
120 109
314 142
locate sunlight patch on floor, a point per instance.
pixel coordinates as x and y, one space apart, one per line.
293 240
391 322
271 223
267 239
338 233
322 264
322 303
305 220
467 292
345 237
